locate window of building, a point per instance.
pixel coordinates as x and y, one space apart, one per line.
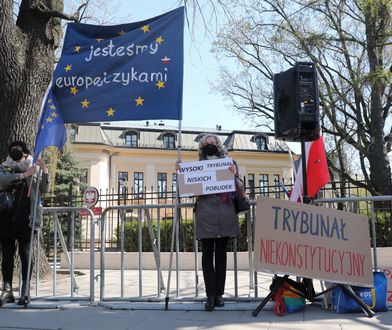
263 184
123 184
72 134
130 140
251 185
174 184
168 141
138 184
276 185
261 142
162 185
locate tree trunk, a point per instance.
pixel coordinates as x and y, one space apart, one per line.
380 171
27 59
377 25
27 62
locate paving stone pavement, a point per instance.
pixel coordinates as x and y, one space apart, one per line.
185 310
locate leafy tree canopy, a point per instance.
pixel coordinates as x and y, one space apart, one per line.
350 44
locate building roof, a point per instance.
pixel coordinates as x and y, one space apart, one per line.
151 136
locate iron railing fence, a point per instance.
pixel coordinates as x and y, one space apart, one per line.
150 195
147 195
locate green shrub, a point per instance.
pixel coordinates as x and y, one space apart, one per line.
383 228
186 234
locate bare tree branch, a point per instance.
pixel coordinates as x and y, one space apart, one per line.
349 43
44 11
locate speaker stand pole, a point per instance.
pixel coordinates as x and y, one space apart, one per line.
308 282
306 200
305 197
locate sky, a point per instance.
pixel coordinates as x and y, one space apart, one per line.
201 108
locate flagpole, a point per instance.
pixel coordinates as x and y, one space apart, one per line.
26 291
175 224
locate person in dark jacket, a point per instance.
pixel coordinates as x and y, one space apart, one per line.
216 223
15 224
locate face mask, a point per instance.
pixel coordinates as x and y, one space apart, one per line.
210 149
16 154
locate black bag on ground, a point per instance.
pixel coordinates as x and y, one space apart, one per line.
305 286
300 286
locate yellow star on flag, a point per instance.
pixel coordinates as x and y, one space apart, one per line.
54 115
139 101
85 103
68 68
77 49
145 28
159 40
42 126
99 39
50 101
52 106
122 32
74 90
110 112
160 84
49 119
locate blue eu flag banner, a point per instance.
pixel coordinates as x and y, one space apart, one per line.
123 72
51 129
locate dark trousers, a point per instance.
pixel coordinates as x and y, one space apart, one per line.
214 273
8 248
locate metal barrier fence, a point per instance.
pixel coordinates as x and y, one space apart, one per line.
58 235
148 283
146 213
150 195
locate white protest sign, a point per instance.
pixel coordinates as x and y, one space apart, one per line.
205 177
312 241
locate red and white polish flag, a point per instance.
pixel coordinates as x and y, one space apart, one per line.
317 173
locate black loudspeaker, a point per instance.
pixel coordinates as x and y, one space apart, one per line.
296 103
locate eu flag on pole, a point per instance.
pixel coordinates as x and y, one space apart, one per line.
123 72
115 73
51 129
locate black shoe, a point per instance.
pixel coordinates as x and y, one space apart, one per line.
24 300
219 302
209 305
6 295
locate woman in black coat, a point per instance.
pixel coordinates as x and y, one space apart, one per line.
15 224
216 223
